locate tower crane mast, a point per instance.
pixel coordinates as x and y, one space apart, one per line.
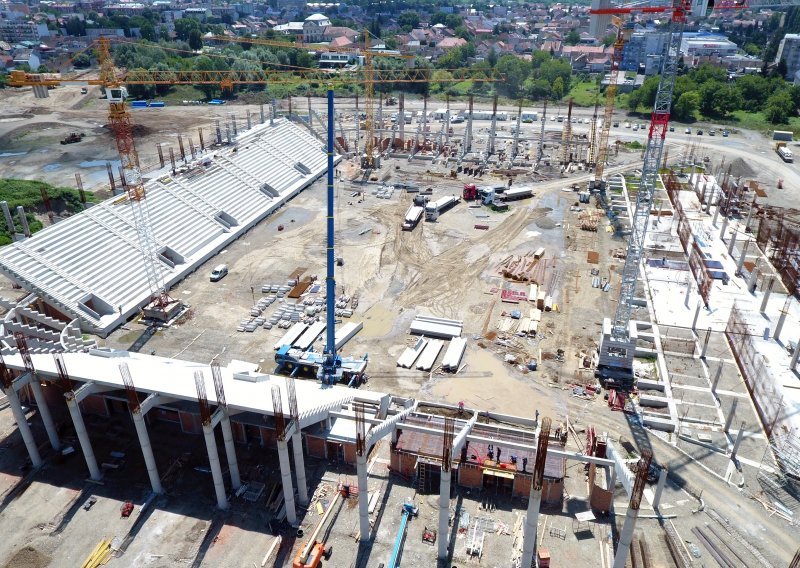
618 342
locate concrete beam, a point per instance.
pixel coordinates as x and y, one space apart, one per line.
155 399
88 389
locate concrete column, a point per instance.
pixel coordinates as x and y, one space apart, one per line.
286 480
23 219
782 318
625 538
742 256
705 344
612 479
716 379
531 527
731 243
662 481
216 469
443 538
83 438
730 416
738 441
44 412
363 498
716 213
767 293
752 279
795 355
9 219
696 315
688 291
24 429
147 452
230 452
724 226
299 467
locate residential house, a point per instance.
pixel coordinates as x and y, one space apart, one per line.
314 28
587 58
29 56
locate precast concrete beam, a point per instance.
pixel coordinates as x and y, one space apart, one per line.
88 389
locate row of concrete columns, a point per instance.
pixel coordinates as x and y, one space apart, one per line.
73 400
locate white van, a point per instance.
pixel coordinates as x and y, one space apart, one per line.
219 272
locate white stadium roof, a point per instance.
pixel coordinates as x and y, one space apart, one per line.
90 265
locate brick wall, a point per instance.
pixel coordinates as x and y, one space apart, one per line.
470 475
190 423
522 485
94 405
316 447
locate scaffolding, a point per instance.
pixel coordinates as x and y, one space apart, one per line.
779 474
778 235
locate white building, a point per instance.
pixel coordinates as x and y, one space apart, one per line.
314 28
789 51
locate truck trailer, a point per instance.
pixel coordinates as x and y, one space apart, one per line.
413 216
436 208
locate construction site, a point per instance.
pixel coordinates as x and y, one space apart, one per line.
489 333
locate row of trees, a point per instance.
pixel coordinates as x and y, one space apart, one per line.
707 90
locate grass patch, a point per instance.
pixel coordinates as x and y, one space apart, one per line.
180 93
584 94
634 145
756 121
29 194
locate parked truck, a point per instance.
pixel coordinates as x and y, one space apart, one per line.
784 152
783 135
436 208
413 216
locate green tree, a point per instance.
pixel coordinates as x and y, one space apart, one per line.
753 90
195 40
184 27
687 106
75 26
408 21
81 61
609 40
572 38
707 93
515 71
726 100
558 89
779 108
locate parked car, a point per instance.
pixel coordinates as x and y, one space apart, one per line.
699 132
688 131
725 133
219 273
672 129
712 132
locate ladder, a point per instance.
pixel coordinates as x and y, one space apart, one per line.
421 469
